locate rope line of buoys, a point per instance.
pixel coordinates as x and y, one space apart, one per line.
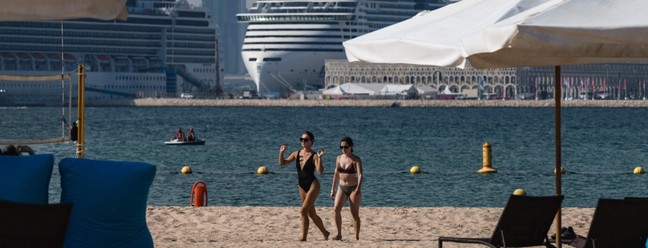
520 192
638 170
186 170
262 170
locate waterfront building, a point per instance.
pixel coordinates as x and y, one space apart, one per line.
605 81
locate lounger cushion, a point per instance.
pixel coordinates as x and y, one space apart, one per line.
26 179
109 202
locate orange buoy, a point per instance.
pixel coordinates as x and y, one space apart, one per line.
199 194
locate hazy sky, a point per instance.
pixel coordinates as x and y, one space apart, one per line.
195 2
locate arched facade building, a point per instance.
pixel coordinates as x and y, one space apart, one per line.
618 80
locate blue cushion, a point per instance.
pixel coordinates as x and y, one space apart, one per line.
109 202
26 179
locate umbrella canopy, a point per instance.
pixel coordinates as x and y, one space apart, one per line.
512 33
52 10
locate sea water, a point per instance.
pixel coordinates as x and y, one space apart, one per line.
600 149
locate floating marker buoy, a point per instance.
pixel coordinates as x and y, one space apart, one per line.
198 194
638 170
486 160
562 170
186 170
519 192
262 170
415 169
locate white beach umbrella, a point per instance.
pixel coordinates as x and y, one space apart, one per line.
514 33
52 10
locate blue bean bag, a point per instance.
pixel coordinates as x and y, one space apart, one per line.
26 179
109 202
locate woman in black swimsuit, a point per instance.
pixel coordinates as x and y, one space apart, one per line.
307 161
348 169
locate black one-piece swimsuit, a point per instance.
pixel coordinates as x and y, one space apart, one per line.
307 175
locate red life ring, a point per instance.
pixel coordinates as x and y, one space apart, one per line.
199 194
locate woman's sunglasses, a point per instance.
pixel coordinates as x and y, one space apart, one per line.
344 147
304 139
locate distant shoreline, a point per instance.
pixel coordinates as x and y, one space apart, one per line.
175 102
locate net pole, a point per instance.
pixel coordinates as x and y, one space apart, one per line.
62 87
81 115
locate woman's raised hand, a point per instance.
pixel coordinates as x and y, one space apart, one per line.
283 147
321 152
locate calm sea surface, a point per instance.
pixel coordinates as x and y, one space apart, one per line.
601 147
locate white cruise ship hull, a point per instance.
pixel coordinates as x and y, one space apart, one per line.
296 70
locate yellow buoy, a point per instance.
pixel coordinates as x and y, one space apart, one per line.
262 170
415 169
519 192
186 170
562 170
487 158
638 170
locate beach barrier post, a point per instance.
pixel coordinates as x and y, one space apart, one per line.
199 194
487 159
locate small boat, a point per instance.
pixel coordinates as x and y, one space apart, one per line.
197 142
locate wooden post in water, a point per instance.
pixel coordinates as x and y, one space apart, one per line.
81 110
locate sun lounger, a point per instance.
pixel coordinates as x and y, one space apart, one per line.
617 223
525 221
28 225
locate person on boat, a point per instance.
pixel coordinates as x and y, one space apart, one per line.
348 169
191 136
180 135
306 162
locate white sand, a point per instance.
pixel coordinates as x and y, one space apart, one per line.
280 226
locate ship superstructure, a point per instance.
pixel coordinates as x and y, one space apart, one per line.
288 41
164 48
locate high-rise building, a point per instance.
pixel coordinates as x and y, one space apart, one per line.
231 33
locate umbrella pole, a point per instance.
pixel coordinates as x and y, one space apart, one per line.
558 171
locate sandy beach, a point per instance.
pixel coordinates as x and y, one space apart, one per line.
280 226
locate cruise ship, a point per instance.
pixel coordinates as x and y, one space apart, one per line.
164 48
287 41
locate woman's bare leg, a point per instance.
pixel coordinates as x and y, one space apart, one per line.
340 198
354 201
308 209
304 219
314 190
